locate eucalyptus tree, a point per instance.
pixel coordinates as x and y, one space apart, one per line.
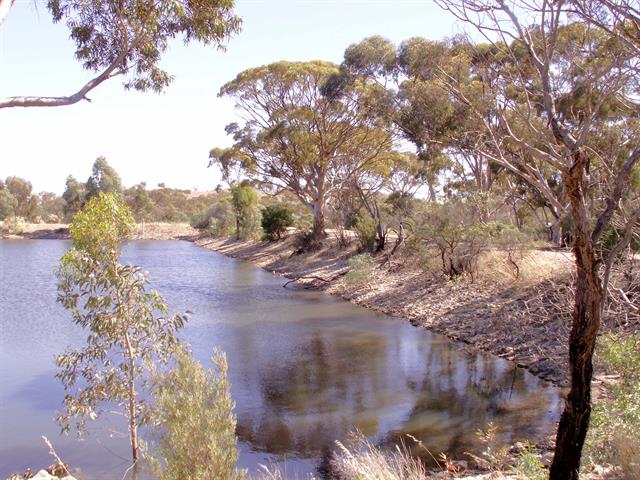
74 196
127 39
128 325
8 204
103 178
442 128
414 105
22 191
299 136
244 200
401 174
565 89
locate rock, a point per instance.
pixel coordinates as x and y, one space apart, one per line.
41 475
58 469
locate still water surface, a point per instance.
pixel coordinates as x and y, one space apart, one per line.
306 368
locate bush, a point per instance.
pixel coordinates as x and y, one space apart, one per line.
219 220
529 464
194 422
306 241
200 221
361 268
615 422
275 220
365 229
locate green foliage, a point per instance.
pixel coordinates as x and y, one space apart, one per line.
218 220
174 205
103 178
365 229
27 204
8 204
615 422
611 236
102 225
128 325
132 36
275 221
298 139
244 200
51 207
457 238
140 202
362 266
74 196
529 464
194 421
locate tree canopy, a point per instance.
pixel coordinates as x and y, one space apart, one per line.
128 38
299 139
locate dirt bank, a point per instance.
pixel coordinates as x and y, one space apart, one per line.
525 320
60 231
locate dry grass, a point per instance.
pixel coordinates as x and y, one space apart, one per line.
527 268
366 462
164 231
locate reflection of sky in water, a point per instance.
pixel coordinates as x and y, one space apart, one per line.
306 368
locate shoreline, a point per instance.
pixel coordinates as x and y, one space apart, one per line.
60 231
478 316
481 316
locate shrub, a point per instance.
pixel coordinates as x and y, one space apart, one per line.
361 268
8 204
365 229
200 221
615 422
219 220
275 220
194 422
306 241
244 200
529 464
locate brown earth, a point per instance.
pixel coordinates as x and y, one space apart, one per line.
60 231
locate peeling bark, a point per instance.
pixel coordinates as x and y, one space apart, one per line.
587 308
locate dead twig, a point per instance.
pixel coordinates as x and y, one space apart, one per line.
53 453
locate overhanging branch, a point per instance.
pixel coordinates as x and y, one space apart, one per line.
111 71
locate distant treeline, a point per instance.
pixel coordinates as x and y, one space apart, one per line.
161 204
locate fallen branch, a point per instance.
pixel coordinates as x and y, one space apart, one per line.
314 277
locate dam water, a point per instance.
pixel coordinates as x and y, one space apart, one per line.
306 368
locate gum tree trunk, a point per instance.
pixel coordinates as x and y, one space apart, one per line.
574 421
318 219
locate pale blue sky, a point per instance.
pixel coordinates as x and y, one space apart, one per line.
166 138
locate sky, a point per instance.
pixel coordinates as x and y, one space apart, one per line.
166 137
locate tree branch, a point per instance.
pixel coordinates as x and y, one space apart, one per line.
81 94
5 6
614 198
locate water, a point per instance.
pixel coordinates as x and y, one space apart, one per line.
306 368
